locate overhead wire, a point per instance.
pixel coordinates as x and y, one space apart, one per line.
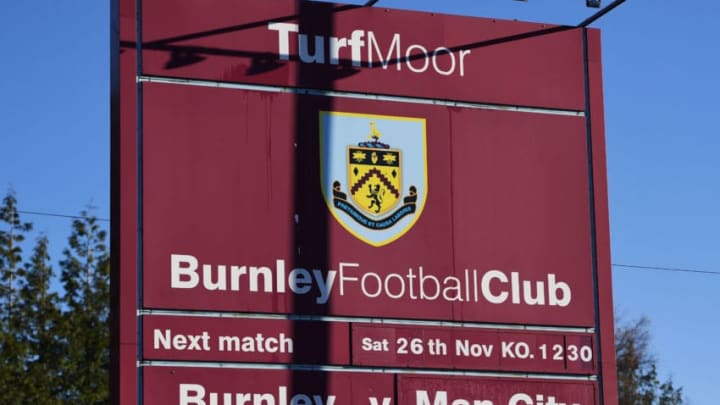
50 214
671 269
620 265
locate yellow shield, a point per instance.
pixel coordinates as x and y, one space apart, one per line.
374 178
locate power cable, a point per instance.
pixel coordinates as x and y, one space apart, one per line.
49 214
621 265
671 269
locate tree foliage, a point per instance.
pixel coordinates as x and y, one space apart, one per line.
54 334
13 346
638 382
54 345
85 276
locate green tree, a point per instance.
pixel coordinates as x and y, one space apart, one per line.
638 382
11 238
13 348
85 277
39 309
54 347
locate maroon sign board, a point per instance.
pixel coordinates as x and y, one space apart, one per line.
311 193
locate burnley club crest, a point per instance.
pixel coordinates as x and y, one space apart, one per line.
374 173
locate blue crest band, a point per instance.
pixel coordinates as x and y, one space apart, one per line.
383 223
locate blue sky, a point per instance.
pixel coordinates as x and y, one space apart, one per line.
661 102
